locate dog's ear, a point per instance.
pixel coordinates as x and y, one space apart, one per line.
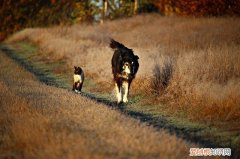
75 67
136 57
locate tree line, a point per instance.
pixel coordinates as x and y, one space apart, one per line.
18 14
199 7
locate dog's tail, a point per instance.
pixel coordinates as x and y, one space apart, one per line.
116 45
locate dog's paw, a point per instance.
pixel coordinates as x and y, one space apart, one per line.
77 91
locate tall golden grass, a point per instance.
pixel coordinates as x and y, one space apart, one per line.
39 121
201 53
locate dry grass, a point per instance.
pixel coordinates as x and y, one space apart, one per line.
204 53
39 121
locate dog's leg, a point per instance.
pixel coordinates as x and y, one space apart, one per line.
80 87
125 91
129 85
77 84
118 93
73 86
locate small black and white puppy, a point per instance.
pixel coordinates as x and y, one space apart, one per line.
78 79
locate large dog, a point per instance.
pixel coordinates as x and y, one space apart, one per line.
124 68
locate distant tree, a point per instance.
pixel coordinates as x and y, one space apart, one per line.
202 7
113 9
199 7
232 7
14 15
53 1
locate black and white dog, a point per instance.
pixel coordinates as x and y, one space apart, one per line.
124 68
78 79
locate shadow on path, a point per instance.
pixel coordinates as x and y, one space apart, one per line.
42 74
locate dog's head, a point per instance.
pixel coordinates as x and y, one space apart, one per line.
129 65
77 70
124 62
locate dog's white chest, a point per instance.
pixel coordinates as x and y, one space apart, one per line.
77 78
126 70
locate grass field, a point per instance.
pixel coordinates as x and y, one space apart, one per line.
189 67
40 121
202 59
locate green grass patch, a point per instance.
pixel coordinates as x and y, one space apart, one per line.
27 55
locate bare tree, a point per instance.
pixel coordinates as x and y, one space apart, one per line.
104 10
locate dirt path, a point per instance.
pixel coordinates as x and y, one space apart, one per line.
40 121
